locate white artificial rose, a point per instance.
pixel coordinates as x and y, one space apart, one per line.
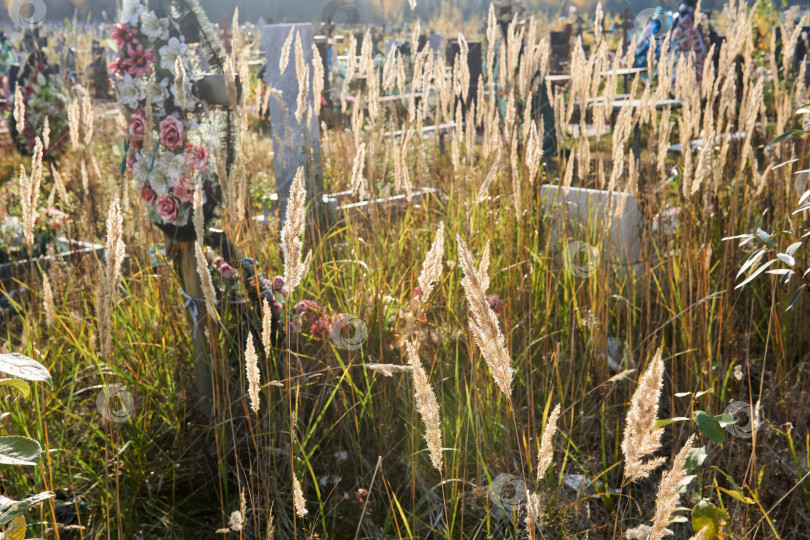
131 12
130 92
173 167
158 91
170 52
141 167
155 28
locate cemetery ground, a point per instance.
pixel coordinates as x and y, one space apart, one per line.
597 342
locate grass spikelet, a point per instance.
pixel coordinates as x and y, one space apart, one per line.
267 327
205 280
317 79
47 300
252 372
291 243
29 193
546 452
298 498
109 275
641 438
46 133
358 181
285 51
668 495
432 265
484 323
427 406
483 268
19 108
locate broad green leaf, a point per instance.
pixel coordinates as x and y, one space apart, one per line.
695 458
704 392
19 384
707 515
12 509
23 367
737 495
16 450
667 421
709 426
684 483
16 529
785 135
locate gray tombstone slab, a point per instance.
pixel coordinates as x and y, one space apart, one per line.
614 219
295 143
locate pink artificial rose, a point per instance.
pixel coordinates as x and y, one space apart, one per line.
187 181
148 194
294 326
226 270
167 208
137 124
196 157
207 256
218 260
172 133
417 291
278 283
321 328
130 163
182 192
496 304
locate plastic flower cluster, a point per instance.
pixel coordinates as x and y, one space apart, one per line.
313 318
44 96
167 171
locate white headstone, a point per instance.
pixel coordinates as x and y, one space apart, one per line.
614 219
295 143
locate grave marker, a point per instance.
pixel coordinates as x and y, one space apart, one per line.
295 143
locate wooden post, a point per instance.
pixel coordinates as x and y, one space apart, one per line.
200 358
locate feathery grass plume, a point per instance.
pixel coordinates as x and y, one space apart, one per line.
388 370
546 452
351 59
668 495
427 405
483 191
534 151
533 514
358 181
47 300
88 118
302 73
484 323
267 327
432 265
236 521
29 193
252 372
366 63
701 534
298 498
285 51
271 524
641 437
205 280
46 133
19 108
291 244
389 70
85 178
59 183
197 219
109 274
483 268
317 79
179 81
638 533
412 3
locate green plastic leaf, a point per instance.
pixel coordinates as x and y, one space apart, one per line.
785 135
705 514
709 426
667 421
695 458
16 450
19 384
10 509
22 367
737 495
